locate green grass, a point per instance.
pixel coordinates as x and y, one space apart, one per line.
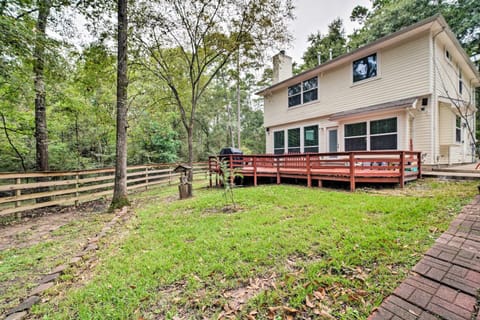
181 257
21 268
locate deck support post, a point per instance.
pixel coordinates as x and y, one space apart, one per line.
352 171
419 165
254 171
402 169
278 169
320 183
309 175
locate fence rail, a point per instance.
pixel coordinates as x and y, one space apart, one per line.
19 191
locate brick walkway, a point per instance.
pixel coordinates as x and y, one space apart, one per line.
445 283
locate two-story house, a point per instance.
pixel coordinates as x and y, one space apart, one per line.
411 90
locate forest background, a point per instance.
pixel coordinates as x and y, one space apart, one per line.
79 84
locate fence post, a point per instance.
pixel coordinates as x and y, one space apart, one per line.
76 189
18 193
169 176
146 178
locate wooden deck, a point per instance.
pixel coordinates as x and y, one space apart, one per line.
353 167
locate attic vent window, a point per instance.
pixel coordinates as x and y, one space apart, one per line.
303 92
365 68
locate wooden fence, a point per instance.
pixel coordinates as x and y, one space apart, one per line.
20 191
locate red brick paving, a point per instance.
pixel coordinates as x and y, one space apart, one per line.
445 283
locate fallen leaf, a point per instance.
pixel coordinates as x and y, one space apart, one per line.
309 303
320 294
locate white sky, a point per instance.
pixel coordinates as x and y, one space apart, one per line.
316 15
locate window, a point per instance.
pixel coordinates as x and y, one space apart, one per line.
458 129
279 142
310 139
460 82
356 136
294 140
303 92
448 56
365 68
383 134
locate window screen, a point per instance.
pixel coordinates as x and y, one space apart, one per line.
294 140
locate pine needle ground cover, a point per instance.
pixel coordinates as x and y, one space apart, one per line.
287 252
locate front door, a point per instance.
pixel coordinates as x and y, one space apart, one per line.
333 140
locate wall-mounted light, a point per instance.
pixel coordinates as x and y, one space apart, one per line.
268 130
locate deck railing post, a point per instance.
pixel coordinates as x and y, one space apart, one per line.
277 159
309 175
352 171
419 165
402 169
254 163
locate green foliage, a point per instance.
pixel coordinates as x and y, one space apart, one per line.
463 16
322 44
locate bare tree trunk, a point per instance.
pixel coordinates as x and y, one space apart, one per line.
41 133
41 136
120 187
190 158
238 101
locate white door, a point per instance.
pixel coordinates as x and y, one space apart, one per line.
332 138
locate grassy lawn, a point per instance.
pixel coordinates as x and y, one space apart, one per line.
287 252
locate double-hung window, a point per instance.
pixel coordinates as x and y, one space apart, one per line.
303 92
372 135
279 142
458 129
310 139
383 134
356 136
460 82
294 140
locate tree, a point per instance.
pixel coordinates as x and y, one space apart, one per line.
190 42
41 135
334 40
120 198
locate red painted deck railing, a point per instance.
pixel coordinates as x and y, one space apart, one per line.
360 166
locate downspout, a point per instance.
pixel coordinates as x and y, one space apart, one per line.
435 99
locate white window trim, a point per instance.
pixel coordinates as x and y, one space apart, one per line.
301 104
368 135
377 77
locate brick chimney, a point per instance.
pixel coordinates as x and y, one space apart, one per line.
282 67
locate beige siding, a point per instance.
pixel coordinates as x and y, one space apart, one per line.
447 125
404 66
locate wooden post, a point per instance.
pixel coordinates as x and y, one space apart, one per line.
76 189
309 176
169 176
18 193
419 165
146 178
352 171
402 169
254 171
210 171
277 158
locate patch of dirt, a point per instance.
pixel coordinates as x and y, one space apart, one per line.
37 227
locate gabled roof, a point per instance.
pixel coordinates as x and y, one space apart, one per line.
391 105
402 34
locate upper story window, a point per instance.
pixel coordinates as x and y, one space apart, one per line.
460 81
365 68
458 129
303 92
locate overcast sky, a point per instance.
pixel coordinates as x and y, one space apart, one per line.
316 15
